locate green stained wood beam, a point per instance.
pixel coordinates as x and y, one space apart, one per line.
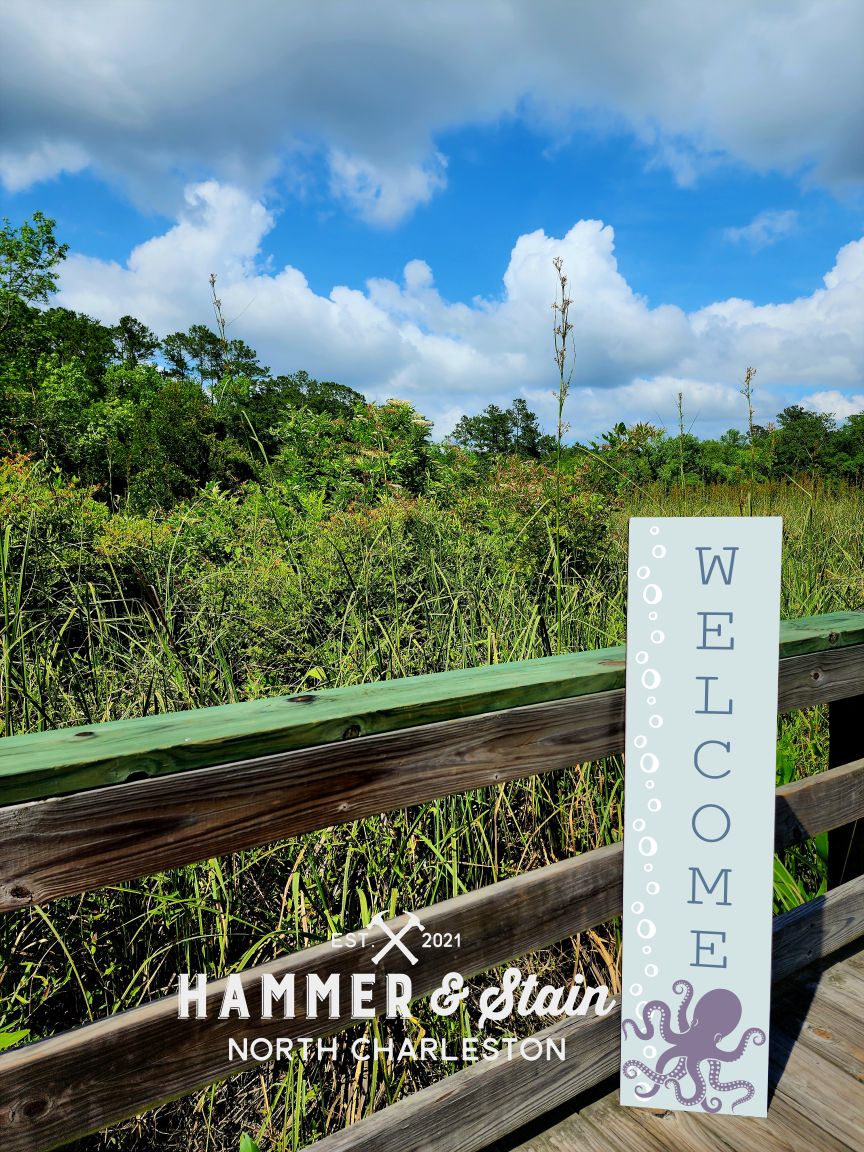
93 756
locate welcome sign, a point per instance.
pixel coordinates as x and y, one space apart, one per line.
702 649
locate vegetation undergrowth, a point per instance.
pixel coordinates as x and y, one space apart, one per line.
198 532
109 616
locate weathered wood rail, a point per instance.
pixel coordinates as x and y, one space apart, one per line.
84 807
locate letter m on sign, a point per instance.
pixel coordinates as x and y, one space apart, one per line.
718 562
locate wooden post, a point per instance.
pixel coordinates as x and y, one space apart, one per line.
845 743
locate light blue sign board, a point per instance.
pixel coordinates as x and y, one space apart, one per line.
703 621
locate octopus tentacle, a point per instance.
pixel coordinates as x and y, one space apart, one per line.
631 1070
731 1086
695 1073
678 1071
754 1034
687 988
646 1032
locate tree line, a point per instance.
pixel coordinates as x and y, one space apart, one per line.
148 420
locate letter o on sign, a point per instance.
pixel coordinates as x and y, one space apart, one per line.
713 821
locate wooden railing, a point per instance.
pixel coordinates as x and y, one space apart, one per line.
84 807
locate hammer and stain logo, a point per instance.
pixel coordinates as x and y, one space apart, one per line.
317 996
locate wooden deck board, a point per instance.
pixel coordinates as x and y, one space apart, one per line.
834 1022
785 1129
817 1072
855 964
621 1125
573 1133
830 1096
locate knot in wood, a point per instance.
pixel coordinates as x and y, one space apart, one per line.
33 1109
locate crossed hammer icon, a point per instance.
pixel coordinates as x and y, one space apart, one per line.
395 940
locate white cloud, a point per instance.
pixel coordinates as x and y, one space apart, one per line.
385 194
44 161
838 404
404 339
153 93
766 228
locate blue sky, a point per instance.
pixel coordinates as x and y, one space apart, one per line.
381 190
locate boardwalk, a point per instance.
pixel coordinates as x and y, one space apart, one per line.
817 1098
98 805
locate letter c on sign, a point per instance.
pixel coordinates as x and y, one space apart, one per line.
725 744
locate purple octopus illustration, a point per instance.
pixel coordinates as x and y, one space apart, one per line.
716 1015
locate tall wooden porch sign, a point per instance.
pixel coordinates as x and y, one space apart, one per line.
703 623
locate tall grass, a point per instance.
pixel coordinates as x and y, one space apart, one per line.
95 650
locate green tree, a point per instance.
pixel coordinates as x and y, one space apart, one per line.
134 343
528 440
393 443
512 431
803 441
238 359
62 412
29 256
204 352
848 444
74 338
175 352
301 391
489 434
169 445
199 350
624 457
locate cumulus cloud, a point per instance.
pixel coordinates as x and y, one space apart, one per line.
151 93
385 194
44 161
405 339
834 403
766 228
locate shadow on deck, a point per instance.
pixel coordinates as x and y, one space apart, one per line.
816 1095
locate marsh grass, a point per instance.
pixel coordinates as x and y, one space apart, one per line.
77 647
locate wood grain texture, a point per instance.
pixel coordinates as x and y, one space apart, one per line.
574 1135
785 1129
814 930
620 1127
818 804
69 844
74 759
499 1099
832 1098
828 1016
83 1080
823 1008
